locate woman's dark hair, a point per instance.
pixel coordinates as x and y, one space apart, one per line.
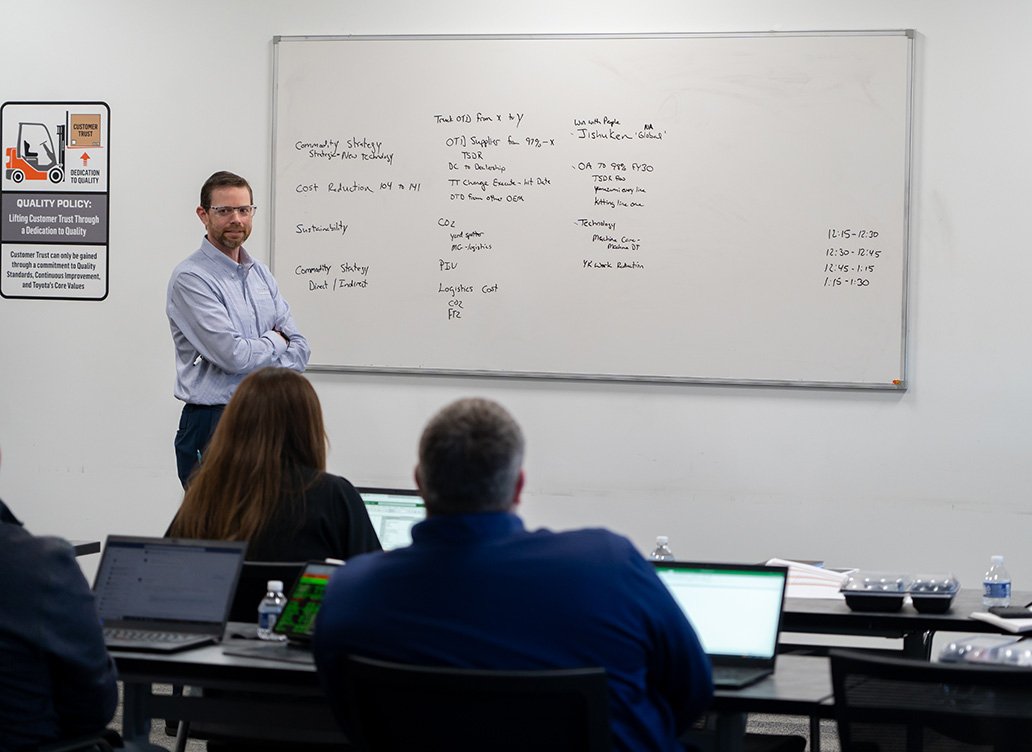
265 448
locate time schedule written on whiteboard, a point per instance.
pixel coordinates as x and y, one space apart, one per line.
713 209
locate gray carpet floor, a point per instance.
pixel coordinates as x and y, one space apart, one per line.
794 725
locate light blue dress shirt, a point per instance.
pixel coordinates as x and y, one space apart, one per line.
224 318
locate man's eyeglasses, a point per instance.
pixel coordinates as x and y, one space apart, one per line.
227 211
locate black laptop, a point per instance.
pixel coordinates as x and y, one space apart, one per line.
165 594
297 621
736 612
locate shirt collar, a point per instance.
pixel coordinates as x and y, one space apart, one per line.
219 257
7 516
466 528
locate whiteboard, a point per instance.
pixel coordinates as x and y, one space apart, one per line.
677 207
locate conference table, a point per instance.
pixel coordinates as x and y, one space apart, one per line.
283 701
830 616
801 685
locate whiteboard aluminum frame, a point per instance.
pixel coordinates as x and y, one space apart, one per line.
900 384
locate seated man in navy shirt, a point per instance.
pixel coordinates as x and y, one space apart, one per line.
56 678
477 590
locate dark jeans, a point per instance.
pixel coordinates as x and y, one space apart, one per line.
196 425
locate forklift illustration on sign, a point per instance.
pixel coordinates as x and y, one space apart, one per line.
34 157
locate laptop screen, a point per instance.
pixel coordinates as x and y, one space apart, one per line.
393 512
734 608
297 620
166 579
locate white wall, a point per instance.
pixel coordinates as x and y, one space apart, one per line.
933 479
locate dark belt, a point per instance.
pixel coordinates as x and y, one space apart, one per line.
189 407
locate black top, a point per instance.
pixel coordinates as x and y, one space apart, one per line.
56 678
330 521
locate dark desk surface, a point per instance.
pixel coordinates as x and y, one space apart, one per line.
267 717
832 616
801 685
798 681
208 666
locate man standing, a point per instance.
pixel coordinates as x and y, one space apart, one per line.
56 678
227 317
477 590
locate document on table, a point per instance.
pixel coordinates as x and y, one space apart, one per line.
1008 625
809 581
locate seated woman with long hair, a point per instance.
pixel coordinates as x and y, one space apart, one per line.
263 479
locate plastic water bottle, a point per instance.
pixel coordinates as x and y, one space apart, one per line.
662 550
269 610
996 587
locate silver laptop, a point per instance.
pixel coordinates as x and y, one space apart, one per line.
736 612
165 594
393 512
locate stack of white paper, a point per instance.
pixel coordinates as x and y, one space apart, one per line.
809 581
1010 625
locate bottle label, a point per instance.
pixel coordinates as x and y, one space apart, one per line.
267 619
996 589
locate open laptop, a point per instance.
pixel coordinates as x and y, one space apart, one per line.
297 621
393 512
165 594
736 612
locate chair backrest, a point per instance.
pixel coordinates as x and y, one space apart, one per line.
254 576
392 707
888 704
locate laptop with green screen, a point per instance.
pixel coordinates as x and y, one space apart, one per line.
296 623
735 610
393 512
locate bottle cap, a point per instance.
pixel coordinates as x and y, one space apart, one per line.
275 586
662 540
997 559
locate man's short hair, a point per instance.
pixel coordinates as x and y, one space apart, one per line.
470 456
222 179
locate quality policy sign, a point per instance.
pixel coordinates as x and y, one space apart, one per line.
54 200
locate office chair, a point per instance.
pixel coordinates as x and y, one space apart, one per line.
887 704
392 707
250 589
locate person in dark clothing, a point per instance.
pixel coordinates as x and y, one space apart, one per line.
478 590
264 479
56 678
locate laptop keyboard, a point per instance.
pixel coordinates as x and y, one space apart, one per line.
146 635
